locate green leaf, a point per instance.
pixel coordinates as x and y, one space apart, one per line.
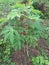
13 14
11 36
6 36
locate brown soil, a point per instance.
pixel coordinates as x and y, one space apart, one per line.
20 57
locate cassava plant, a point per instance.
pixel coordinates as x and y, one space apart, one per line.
23 29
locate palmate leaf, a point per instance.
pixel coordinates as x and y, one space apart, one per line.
18 5
4 32
12 36
13 14
18 43
6 36
17 34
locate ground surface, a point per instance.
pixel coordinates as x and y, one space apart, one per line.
20 57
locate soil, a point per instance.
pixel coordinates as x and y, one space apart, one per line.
20 57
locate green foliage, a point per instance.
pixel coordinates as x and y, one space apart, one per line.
39 60
19 5
22 26
11 36
35 28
